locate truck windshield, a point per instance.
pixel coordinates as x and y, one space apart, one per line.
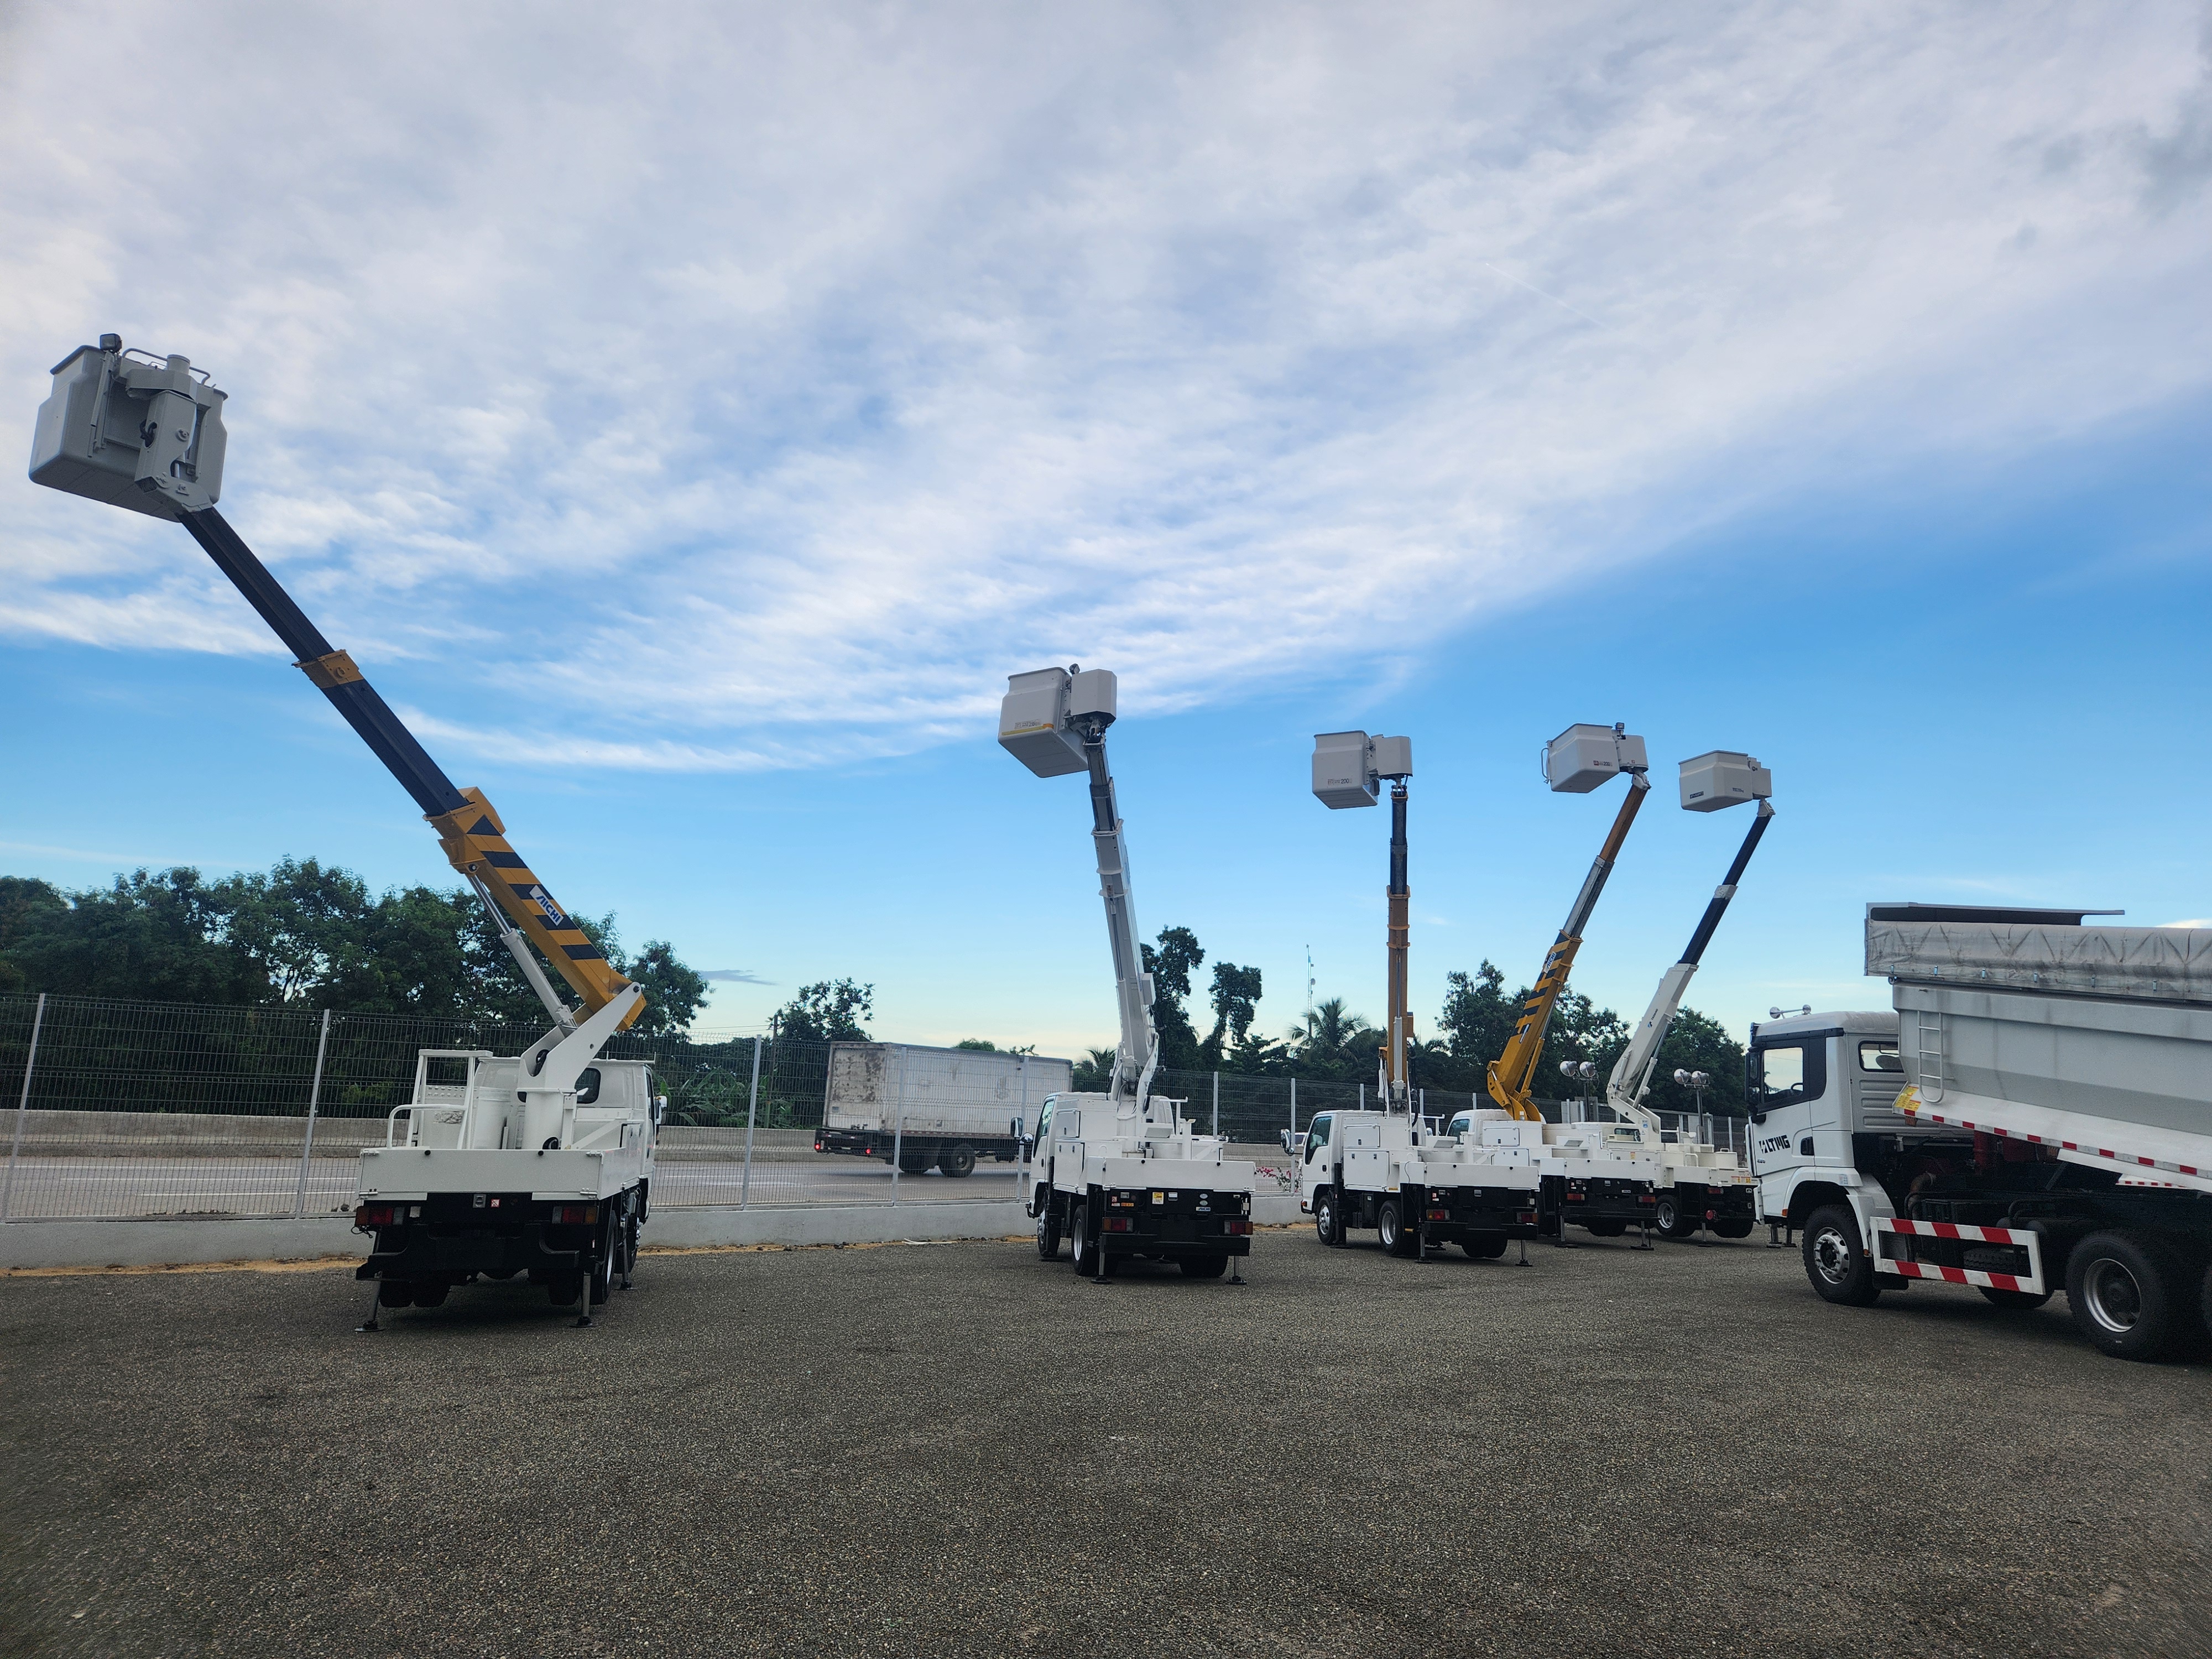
1317 1135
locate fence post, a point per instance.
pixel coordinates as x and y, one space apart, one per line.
752 1116
314 1100
898 1127
23 1110
1294 1105
1217 1105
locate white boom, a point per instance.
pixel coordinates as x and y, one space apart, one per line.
1053 721
1710 783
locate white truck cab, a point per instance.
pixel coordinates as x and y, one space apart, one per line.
1822 1088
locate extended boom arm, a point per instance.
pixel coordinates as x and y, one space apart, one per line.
1054 721
1631 1074
145 433
1513 1073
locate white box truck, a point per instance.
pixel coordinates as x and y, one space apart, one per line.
946 1107
2032 1114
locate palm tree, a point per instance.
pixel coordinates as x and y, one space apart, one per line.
1332 1042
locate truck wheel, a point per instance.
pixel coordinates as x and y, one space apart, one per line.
1738 1229
1485 1247
1048 1233
2015 1301
1205 1266
1080 1245
1835 1262
1675 1217
2124 1295
395 1292
912 1165
1328 1220
958 1161
430 1293
1390 1228
603 1265
562 1289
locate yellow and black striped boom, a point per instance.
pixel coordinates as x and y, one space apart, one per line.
468 827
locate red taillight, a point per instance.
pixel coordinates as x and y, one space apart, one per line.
1440 1215
1648 1198
817 1145
575 1215
1116 1223
372 1215
1524 1218
1238 1226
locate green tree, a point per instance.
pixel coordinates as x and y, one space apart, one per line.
828 1011
1236 1003
1696 1043
1334 1043
980 1045
1170 966
1094 1073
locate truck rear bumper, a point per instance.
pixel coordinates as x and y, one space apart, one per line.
416 1252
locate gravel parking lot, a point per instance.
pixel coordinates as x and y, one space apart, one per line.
956 1449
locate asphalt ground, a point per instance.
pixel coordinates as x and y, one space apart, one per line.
958 1449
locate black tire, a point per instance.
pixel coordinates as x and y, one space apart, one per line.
911 1164
2014 1301
431 1293
395 1292
1390 1226
1328 1218
1672 1218
2127 1295
1205 1266
958 1161
1732 1230
1485 1247
1604 1229
562 1289
1080 1245
1836 1259
602 1274
499 1272
1047 1234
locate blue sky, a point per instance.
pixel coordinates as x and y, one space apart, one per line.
690 430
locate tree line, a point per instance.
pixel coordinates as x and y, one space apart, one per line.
1338 1045
300 934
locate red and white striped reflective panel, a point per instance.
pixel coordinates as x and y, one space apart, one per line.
1920 1109
2031 1282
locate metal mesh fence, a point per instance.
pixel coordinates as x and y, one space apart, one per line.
117 1109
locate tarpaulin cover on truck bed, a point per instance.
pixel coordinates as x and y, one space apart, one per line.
2159 964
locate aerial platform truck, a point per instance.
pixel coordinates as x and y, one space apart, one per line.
1123 1175
1385 1168
2033 1113
1601 1176
1700 1185
539 1164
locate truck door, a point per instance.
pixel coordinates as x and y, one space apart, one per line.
1314 1171
1794 1120
1038 1147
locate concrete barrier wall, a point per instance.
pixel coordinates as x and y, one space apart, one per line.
167 1242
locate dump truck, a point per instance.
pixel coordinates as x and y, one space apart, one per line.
2032 1114
944 1107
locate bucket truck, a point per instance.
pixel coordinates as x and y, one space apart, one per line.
539 1163
1122 1174
1699 1185
1385 1168
1598 1176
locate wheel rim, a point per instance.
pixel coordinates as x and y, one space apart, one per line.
1325 1220
1386 1225
2115 1298
1664 1216
1832 1255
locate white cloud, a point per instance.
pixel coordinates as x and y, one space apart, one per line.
772 381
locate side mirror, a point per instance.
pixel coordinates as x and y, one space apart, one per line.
1286 1136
